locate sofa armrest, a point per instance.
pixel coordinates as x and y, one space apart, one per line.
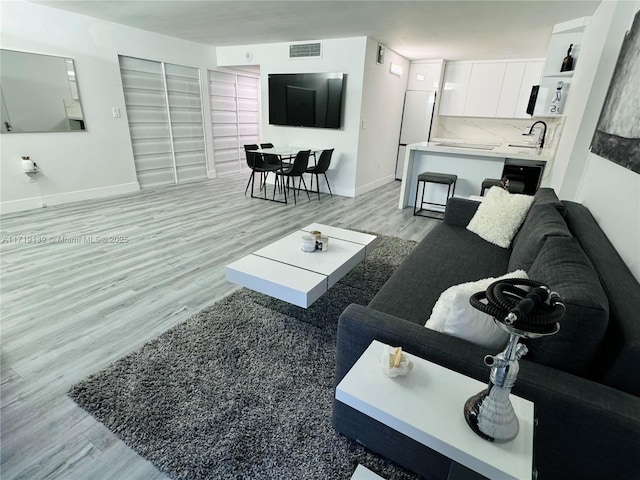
460 211
585 429
358 326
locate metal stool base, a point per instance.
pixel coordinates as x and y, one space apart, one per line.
449 180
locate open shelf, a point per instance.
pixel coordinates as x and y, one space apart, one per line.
560 74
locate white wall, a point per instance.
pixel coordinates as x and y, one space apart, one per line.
338 55
381 117
99 161
611 192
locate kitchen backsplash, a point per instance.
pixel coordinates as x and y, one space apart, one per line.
498 130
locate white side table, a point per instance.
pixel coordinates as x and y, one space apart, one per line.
427 406
363 473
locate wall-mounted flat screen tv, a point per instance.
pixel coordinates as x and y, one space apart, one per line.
306 99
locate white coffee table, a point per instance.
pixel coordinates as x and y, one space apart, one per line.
282 270
427 406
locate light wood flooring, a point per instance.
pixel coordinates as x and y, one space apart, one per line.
70 306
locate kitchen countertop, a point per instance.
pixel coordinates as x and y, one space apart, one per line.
471 160
479 148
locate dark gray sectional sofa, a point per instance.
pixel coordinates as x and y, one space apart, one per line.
584 381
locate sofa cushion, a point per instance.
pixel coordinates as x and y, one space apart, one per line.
619 358
542 221
453 314
460 211
499 216
449 255
547 196
564 267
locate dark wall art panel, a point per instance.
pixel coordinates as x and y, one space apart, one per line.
617 135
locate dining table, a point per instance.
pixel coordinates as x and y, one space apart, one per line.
285 154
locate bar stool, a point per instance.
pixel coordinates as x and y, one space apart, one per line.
515 186
439 178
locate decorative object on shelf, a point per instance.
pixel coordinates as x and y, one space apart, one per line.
530 312
394 362
554 108
617 134
567 62
28 166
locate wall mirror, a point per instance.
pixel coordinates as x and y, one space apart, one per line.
39 93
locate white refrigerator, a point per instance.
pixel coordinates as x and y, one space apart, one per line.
416 122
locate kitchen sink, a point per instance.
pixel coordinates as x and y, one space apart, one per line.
475 146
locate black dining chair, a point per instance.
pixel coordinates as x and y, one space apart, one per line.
275 159
321 168
256 163
297 169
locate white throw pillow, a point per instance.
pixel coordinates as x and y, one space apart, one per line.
453 314
499 216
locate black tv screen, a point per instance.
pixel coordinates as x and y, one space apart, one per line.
306 99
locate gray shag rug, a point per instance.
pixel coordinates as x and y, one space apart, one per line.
244 389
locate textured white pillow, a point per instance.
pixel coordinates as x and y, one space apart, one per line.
499 216
453 314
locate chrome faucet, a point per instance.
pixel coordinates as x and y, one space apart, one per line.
530 131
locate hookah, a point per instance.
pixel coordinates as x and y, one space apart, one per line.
524 313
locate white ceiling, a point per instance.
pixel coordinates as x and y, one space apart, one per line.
454 30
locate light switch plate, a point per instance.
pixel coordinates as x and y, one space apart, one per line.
116 112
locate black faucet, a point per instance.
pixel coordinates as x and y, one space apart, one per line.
542 135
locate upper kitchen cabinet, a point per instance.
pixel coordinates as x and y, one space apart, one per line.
485 85
425 75
519 77
493 89
454 88
510 92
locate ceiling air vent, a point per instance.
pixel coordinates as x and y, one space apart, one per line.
305 50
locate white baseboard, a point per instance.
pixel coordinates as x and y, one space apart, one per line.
375 184
20 205
67 197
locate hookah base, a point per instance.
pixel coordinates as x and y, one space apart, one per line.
472 412
492 417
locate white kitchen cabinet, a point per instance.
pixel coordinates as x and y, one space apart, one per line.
485 85
489 89
425 75
511 87
532 76
519 77
454 91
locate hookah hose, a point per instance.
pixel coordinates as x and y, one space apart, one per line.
525 310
